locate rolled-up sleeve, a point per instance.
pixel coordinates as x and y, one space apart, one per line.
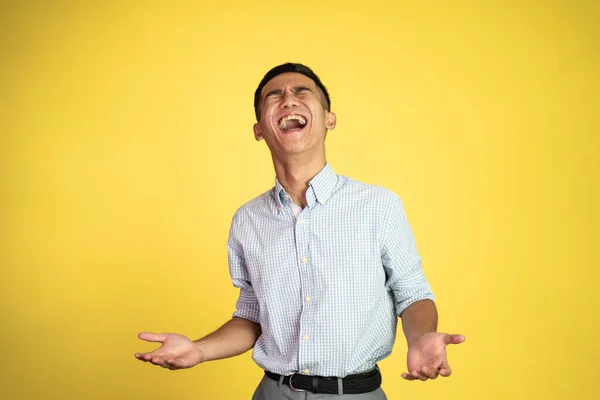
247 305
401 260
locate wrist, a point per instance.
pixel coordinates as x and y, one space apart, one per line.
413 339
201 351
418 320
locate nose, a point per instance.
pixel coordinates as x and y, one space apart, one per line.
289 100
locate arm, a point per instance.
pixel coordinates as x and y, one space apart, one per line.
426 357
418 319
235 337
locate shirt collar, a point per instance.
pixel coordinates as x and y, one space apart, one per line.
322 185
279 193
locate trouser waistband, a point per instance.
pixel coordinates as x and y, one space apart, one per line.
352 384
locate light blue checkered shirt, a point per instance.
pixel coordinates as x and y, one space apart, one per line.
326 286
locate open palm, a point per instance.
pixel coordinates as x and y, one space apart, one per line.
176 351
427 358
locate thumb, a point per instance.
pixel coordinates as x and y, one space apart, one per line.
153 337
454 339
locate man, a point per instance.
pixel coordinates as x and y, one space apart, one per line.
325 265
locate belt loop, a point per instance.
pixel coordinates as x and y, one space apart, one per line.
280 382
340 386
315 385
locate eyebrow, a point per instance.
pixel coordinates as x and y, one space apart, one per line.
274 92
298 89
279 92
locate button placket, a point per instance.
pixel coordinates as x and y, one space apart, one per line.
302 234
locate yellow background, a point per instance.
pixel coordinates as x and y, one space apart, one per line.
126 146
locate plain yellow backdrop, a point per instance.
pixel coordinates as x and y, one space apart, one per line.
127 145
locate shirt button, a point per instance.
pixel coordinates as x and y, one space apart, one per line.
306 337
301 220
306 372
304 260
307 298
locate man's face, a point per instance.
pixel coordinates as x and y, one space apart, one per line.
293 119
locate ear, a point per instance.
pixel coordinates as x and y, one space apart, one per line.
330 120
257 132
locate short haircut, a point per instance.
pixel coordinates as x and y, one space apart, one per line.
282 69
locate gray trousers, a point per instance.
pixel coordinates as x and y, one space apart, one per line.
268 389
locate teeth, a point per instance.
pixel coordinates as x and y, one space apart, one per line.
283 121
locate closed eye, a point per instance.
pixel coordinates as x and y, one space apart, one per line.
300 89
274 93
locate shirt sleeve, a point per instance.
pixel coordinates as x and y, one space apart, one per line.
247 304
401 260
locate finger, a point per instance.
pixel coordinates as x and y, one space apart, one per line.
416 374
169 364
430 373
444 369
153 337
173 365
151 354
408 377
161 362
144 356
454 339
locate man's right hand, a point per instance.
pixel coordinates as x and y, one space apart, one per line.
176 351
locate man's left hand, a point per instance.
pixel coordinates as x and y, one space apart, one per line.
427 356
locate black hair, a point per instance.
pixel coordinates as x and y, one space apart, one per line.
282 69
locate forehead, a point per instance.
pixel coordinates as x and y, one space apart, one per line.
288 79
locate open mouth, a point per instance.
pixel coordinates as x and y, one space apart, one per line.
292 122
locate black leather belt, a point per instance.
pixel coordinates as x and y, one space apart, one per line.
352 384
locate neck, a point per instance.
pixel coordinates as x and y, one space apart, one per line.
294 173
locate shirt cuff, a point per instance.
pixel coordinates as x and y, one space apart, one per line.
247 306
402 305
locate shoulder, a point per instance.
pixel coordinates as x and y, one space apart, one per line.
250 217
261 204
378 194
